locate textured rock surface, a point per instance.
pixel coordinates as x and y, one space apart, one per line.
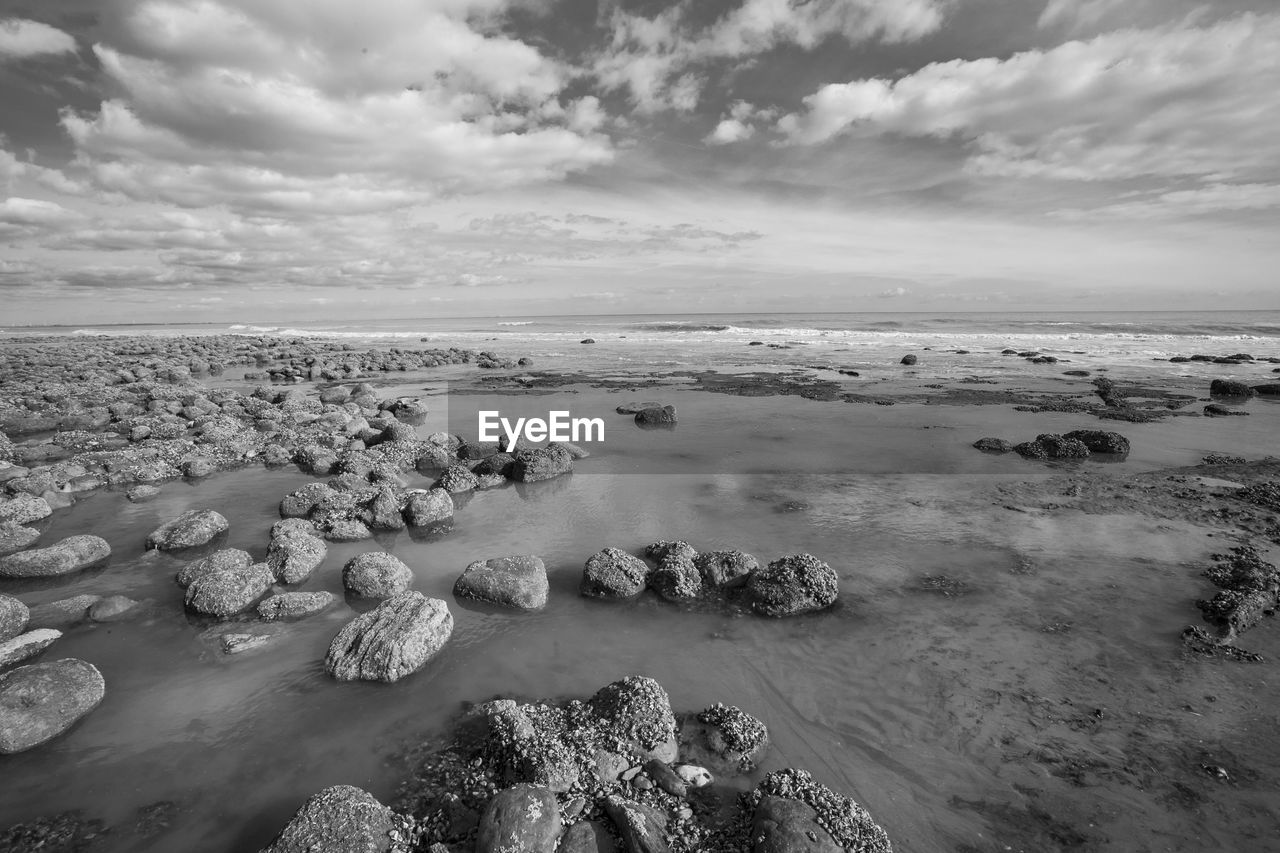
391 641
293 556
340 819
27 645
638 711
541 463
224 594
376 574
613 573
15 537
73 554
191 529
295 605
228 559
522 818
792 585
41 701
518 581
14 616
430 507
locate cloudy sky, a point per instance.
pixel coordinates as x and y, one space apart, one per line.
273 159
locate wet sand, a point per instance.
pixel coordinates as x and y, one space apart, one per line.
1004 670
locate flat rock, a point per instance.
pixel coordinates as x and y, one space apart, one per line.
191 529
224 594
340 819
793 585
376 574
391 641
41 701
518 581
27 645
226 560
295 605
14 616
614 574
293 556
73 554
522 818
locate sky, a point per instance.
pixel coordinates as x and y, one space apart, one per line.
275 160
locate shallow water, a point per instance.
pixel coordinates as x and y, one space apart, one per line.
962 721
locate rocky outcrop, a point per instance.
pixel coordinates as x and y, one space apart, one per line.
658 416
339 819
792 585
227 593
614 574
1229 388
519 582
73 554
190 530
993 445
23 508
1053 446
456 479
41 701
795 813
391 641
376 574
15 537
524 818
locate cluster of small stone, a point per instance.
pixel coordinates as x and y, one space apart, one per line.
847 822
739 731
1077 444
1249 589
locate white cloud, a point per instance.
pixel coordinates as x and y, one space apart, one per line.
1181 100
34 213
654 57
730 130
22 39
1211 199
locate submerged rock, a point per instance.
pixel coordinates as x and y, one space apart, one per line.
518 581
614 574
391 641
993 445
190 530
62 613
376 575
523 818
73 554
41 701
339 819
793 585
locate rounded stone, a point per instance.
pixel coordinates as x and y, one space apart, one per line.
376 574
41 701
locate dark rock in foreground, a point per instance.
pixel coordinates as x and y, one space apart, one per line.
43 700
908 360
656 416
1229 388
73 554
541 463
391 641
518 581
340 819
524 818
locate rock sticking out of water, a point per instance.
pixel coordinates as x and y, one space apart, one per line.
518 582
73 554
41 701
393 640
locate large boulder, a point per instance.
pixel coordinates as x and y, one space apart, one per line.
524 818
41 701
792 585
424 509
456 479
224 594
27 645
228 559
782 825
340 819
636 712
293 556
1100 441
192 529
391 641
518 581
72 554
23 508
541 463
300 502
376 574
14 616
63 612
614 574
1229 388
993 445
677 579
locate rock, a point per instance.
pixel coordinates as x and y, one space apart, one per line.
1053 446
1268 390
664 416
677 579
614 574
190 530
587 341
15 537
137 494
293 556
643 828
300 502
634 408
23 508
519 582
73 554
693 775
456 479
228 559
792 585
41 701
789 826
348 530
846 822
26 645
391 641
1100 441
197 467
524 818
294 526
725 569
62 613
112 608
731 735
662 549
234 644
637 712
993 445
1213 410
14 617
587 836
339 819
294 605
533 464
424 509
908 360
666 778
376 574
386 511
224 594
1229 388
